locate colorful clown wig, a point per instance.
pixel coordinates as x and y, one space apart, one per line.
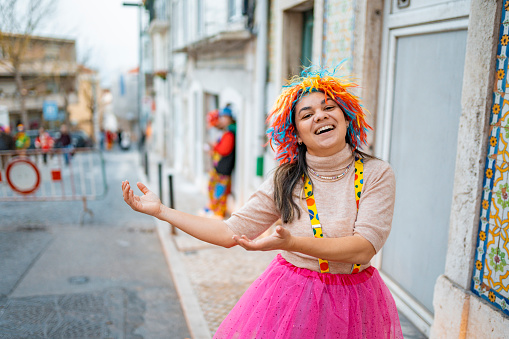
212 118
281 132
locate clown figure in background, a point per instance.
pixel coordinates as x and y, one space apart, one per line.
22 140
223 162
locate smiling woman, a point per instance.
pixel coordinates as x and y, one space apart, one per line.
322 285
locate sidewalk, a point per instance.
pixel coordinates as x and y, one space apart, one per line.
210 279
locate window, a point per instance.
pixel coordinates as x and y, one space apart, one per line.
51 87
51 52
199 18
185 20
306 54
175 24
160 10
234 10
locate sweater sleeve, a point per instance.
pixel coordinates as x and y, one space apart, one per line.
226 144
376 206
257 215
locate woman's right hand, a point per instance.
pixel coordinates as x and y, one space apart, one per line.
148 203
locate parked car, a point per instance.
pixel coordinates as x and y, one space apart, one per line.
80 139
32 134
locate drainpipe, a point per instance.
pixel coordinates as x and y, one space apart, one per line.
261 78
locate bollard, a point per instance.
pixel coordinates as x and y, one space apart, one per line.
171 202
170 186
160 172
146 165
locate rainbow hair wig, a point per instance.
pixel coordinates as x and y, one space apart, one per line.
282 133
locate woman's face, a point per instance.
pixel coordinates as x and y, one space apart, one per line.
321 124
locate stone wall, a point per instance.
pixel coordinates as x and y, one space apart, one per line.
338 33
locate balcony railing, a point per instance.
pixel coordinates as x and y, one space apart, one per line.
157 10
158 15
35 102
222 28
43 67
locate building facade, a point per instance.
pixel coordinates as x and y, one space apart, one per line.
208 59
83 114
43 71
433 76
124 91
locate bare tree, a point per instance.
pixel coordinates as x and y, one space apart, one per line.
90 88
18 21
89 92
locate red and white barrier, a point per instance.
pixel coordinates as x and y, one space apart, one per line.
25 176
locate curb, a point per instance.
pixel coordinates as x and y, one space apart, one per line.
196 323
188 300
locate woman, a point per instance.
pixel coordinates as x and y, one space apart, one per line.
322 284
223 161
65 141
45 142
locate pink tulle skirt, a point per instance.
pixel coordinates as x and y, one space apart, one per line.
291 302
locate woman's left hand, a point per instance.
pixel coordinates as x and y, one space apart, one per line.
279 240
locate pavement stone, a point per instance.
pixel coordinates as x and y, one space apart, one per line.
220 276
409 330
114 313
18 250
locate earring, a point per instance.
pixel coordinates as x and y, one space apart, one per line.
299 142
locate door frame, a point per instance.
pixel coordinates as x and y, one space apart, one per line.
438 18
288 30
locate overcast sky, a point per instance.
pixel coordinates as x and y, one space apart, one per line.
103 29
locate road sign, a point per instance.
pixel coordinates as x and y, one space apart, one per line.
50 110
23 176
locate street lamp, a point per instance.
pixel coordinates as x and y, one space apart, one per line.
140 73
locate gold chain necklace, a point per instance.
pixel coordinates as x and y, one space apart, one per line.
328 178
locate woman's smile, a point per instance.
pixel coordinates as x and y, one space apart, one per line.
324 129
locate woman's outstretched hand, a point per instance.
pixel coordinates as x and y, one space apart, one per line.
148 203
279 240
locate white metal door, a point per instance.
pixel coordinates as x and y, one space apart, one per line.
423 55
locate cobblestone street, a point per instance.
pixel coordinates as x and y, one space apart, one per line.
105 279
114 313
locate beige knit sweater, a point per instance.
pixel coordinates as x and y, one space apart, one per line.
336 206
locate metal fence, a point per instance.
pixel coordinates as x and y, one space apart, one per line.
54 175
